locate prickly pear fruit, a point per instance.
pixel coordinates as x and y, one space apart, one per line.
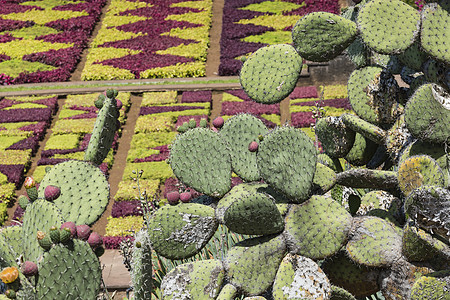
51 192
203 123
94 240
29 182
185 197
29 268
44 240
23 201
119 104
173 197
253 147
54 234
71 226
83 232
218 122
64 235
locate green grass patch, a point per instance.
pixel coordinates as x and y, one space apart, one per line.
14 67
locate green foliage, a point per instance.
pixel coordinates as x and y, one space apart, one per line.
274 7
270 38
14 67
123 226
62 141
159 98
158 170
127 190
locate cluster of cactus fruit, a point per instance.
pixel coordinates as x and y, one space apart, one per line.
322 232
54 253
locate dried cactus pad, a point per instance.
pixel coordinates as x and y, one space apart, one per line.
181 231
434 32
75 265
252 264
246 211
317 228
39 216
239 132
388 27
195 280
201 160
374 242
427 114
321 36
432 286
287 161
271 73
84 191
300 278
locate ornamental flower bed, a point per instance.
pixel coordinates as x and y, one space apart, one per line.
251 24
160 39
42 41
161 113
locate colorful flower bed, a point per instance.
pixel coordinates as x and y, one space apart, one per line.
155 39
23 122
42 41
251 24
160 115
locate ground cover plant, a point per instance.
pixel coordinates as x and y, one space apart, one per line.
151 39
42 41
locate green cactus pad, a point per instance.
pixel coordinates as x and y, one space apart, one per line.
372 94
76 265
432 286
142 270
357 51
374 242
252 264
418 245
181 231
388 27
368 130
244 210
324 179
322 36
332 163
359 280
429 207
39 216
338 293
434 71
7 254
238 132
196 280
419 170
84 191
255 298
201 160
380 204
287 161
300 278
103 134
366 178
427 114
12 235
336 138
228 292
271 73
389 62
413 57
434 31
313 231
362 151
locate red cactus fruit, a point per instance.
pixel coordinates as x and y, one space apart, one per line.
51 192
119 104
94 240
83 232
185 197
253 147
29 182
173 197
218 122
29 268
72 227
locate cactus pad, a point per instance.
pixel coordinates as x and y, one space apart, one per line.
76 265
324 179
322 36
271 73
419 170
372 94
200 159
374 242
380 204
239 132
84 191
366 178
13 237
228 292
317 228
338 293
287 161
432 286
252 264
397 137
427 114
336 138
142 270
196 280
368 130
245 210
362 151
181 231
388 27
413 57
300 278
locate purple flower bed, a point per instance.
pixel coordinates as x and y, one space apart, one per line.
10 7
18 213
161 156
171 185
126 208
78 38
304 92
6 103
233 108
160 109
269 124
196 96
331 6
5 38
113 242
338 103
14 173
43 76
302 119
29 143
240 94
13 24
25 115
182 119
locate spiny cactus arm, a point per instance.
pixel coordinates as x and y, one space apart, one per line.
431 286
321 36
105 128
366 178
367 129
142 271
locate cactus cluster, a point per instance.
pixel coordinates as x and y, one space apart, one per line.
384 228
54 250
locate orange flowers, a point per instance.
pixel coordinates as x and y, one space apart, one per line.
9 275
